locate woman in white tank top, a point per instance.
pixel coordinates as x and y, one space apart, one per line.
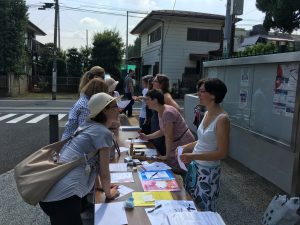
203 156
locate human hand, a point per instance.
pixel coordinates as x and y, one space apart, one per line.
162 157
114 193
143 136
186 158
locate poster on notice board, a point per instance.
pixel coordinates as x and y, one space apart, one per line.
285 89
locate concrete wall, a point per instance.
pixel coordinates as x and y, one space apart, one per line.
190 101
270 155
18 85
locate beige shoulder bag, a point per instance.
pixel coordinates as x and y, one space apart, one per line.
36 175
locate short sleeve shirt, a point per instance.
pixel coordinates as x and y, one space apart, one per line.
77 182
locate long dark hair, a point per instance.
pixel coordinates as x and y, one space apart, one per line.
164 83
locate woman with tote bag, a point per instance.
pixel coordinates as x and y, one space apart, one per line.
63 202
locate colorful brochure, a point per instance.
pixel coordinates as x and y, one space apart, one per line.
149 198
157 175
160 185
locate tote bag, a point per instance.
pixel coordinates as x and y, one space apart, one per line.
36 174
282 211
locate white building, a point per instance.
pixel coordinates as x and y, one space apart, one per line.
172 41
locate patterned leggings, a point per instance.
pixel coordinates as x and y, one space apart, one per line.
203 184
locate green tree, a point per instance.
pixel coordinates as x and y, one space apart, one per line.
86 57
108 51
74 62
13 21
45 62
135 49
281 15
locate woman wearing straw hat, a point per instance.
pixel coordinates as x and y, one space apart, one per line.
63 202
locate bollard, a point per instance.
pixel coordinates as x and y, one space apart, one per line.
53 128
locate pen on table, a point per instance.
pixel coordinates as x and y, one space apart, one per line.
157 207
154 174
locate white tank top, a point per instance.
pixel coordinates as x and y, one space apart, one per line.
207 141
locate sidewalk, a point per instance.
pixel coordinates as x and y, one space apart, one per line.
244 197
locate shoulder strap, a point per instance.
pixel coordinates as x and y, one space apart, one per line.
79 130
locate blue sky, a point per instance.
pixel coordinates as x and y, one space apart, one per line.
77 16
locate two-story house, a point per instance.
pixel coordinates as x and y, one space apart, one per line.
12 85
173 42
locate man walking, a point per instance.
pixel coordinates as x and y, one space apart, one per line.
129 92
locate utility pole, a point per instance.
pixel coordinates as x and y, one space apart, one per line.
126 42
233 8
54 70
58 22
227 31
87 39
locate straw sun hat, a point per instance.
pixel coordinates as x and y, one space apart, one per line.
98 102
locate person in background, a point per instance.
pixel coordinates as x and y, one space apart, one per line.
63 202
161 82
94 72
129 92
204 156
80 111
172 126
112 84
145 84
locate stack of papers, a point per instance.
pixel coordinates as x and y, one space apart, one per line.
195 218
130 128
118 167
149 198
136 140
155 166
104 212
122 177
159 216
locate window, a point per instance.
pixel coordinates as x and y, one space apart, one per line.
154 35
205 35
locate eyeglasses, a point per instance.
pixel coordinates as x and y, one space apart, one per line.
113 107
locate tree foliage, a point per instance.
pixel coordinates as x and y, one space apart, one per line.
108 51
135 49
45 62
86 58
13 21
282 15
74 62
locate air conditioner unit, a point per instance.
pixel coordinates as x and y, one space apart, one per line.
236 7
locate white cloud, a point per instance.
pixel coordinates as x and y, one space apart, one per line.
90 22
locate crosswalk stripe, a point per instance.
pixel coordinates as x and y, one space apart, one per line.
60 116
38 118
7 116
18 119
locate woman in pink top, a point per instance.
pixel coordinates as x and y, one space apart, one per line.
172 126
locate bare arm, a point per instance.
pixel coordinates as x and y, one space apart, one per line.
222 133
188 148
110 193
154 135
169 139
170 101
